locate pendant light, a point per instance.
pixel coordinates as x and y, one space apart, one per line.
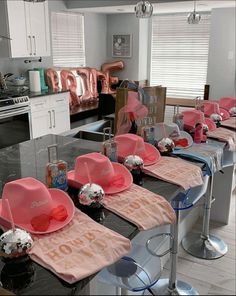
194 17
143 9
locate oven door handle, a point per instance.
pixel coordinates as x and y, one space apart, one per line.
14 112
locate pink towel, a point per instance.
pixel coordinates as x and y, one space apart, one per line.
224 135
80 249
143 208
176 171
231 122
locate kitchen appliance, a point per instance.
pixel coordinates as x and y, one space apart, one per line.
15 119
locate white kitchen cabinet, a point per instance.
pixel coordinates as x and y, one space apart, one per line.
27 24
39 28
50 114
40 124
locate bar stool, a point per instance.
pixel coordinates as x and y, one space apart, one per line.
172 286
136 272
204 245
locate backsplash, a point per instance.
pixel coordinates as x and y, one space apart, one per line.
18 67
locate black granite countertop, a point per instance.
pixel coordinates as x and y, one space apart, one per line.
32 95
30 159
21 92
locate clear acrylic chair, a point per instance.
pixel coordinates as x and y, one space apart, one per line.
172 286
205 245
136 272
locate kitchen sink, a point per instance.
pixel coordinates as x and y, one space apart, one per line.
97 126
92 131
91 136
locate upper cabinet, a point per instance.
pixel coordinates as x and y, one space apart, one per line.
27 24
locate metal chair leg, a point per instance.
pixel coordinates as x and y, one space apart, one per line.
204 245
172 286
120 291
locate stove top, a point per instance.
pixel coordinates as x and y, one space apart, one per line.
13 100
11 94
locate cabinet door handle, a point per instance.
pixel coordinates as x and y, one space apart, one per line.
59 100
50 118
35 48
30 44
54 118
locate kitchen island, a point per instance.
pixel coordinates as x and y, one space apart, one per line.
29 159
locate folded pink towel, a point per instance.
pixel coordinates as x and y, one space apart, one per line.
143 208
176 171
80 249
224 135
231 122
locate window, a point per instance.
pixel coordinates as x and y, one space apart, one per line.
179 54
68 39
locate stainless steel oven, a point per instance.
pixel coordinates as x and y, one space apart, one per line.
15 120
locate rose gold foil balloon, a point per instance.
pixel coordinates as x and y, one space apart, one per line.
52 79
107 68
112 67
85 77
68 82
93 83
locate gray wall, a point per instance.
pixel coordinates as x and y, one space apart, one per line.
124 24
95 27
95 43
221 64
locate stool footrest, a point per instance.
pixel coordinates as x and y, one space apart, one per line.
155 236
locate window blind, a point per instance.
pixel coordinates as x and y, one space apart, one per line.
179 54
68 39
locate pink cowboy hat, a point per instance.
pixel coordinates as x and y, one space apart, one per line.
191 117
129 144
135 106
34 207
134 109
211 107
227 103
112 177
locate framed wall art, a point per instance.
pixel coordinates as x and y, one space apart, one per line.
122 45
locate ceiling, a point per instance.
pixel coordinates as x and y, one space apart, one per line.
164 6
